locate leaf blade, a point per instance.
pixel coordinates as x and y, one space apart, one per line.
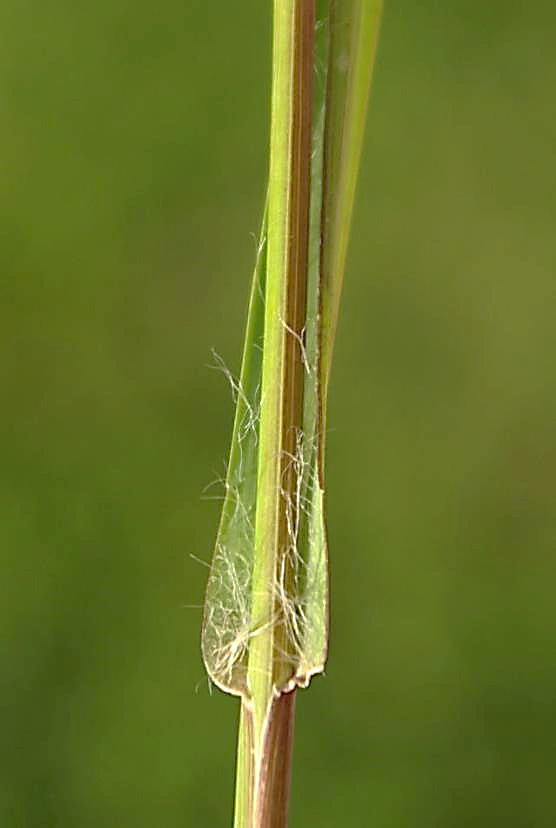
227 608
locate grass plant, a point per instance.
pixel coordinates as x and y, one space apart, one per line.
265 624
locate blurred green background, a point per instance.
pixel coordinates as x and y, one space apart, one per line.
132 168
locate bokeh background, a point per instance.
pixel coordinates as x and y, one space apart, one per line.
132 167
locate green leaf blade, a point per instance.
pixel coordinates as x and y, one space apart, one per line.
227 611
354 30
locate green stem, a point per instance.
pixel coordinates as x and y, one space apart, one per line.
282 372
266 614
270 431
267 719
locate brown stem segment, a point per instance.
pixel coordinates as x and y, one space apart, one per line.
273 792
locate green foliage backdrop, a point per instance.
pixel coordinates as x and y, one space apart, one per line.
132 169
